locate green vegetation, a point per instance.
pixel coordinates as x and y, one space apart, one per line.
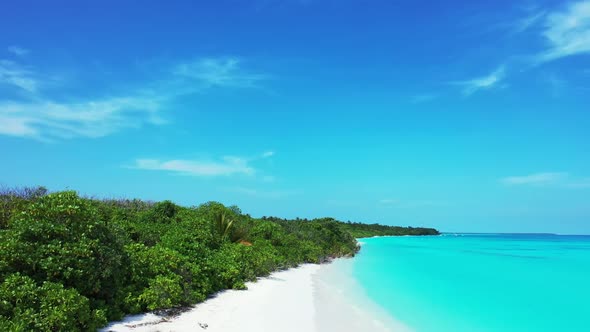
69 263
359 230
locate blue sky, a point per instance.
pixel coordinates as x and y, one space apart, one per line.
462 115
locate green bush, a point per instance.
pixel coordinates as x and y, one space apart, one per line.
25 306
161 278
13 200
59 239
191 237
260 259
163 292
224 268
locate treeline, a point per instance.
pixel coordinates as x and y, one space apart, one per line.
69 263
359 230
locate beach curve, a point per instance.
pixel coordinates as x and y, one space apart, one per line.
306 298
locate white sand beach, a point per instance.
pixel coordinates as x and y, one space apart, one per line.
308 298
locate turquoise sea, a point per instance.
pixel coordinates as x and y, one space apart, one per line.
479 282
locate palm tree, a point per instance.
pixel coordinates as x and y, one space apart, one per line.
223 227
226 229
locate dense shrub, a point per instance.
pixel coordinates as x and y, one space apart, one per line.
162 278
225 268
27 306
15 199
191 237
260 259
59 238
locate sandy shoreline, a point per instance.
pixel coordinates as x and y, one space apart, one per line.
308 298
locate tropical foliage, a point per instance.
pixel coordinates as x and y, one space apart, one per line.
69 263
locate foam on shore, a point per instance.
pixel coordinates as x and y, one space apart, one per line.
342 305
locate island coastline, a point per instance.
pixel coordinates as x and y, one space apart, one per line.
311 297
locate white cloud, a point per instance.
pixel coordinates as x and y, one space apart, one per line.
17 50
567 32
528 22
482 83
227 166
219 72
16 126
41 117
46 120
552 179
15 75
547 178
268 154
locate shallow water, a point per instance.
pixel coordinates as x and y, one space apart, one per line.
341 304
479 282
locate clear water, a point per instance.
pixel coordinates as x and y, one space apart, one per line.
479 282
